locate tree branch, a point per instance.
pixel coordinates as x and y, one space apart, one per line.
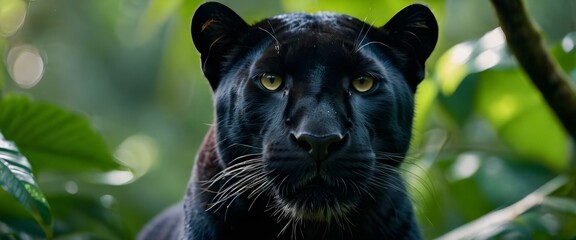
527 45
495 219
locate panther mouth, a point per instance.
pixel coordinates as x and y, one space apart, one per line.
316 200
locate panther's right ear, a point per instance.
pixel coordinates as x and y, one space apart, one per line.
214 27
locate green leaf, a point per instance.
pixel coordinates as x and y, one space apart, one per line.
17 179
508 100
53 138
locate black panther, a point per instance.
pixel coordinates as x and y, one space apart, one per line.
313 119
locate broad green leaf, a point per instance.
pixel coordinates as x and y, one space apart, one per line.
508 100
17 179
53 138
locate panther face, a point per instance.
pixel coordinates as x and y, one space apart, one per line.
313 111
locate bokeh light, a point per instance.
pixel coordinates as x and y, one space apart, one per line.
25 65
466 165
12 15
568 42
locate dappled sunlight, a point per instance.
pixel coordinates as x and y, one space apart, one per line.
12 15
25 65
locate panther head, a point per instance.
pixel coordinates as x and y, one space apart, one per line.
313 111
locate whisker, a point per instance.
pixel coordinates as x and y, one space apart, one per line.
356 42
273 35
373 42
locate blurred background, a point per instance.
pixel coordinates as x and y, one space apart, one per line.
484 138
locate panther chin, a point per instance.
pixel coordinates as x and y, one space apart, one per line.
315 201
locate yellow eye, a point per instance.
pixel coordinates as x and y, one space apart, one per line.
271 81
363 83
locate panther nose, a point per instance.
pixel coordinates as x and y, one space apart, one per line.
319 147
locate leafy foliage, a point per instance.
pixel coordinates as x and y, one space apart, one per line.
484 74
499 147
53 138
17 179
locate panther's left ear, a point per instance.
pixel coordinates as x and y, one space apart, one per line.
214 28
413 33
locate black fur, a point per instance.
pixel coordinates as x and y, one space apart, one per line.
315 159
